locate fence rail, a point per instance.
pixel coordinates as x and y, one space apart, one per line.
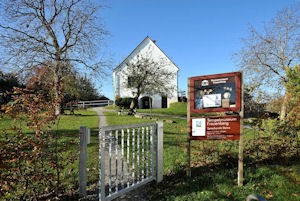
95 103
130 156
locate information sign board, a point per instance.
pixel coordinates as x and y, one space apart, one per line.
215 93
219 93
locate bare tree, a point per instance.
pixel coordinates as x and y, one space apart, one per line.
51 33
148 76
267 55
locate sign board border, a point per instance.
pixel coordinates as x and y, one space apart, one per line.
238 89
236 132
238 109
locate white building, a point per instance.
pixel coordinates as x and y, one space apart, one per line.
120 78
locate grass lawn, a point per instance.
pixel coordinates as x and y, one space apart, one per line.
214 172
174 109
68 128
67 133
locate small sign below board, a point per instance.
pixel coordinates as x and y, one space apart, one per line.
215 128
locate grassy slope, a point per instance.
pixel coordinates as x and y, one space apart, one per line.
69 128
217 182
174 109
67 131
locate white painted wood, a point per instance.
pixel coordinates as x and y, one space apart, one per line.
143 160
84 140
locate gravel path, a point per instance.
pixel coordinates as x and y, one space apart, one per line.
102 118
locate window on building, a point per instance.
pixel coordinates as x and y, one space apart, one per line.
131 82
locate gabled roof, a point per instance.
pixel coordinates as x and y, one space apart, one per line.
131 54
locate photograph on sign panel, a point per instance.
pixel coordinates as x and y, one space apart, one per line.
212 100
215 93
198 127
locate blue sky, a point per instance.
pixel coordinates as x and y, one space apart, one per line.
200 36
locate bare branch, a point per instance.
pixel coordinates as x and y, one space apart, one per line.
267 56
57 31
26 35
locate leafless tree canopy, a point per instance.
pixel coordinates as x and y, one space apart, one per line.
149 76
267 54
53 34
37 31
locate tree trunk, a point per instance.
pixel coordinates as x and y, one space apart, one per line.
57 99
57 85
150 106
283 110
57 94
133 105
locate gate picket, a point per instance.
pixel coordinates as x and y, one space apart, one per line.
122 172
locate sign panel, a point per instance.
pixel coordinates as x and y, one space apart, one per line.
219 93
215 128
199 127
215 93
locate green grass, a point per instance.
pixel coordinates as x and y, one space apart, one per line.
112 118
219 183
112 107
214 173
67 133
174 109
8 124
68 129
174 135
178 108
214 163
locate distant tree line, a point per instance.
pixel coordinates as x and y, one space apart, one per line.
76 86
7 82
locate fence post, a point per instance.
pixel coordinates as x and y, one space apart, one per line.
84 140
159 151
241 146
102 164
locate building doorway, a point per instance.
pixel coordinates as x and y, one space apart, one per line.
146 102
164 102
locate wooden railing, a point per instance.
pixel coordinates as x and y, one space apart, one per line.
94 103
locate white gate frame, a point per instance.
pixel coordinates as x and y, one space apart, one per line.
129 157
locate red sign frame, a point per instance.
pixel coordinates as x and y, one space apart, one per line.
216 128
216 93
230 81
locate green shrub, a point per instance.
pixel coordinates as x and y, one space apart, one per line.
123 102
276 141
279 128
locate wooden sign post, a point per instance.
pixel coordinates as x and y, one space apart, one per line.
221 94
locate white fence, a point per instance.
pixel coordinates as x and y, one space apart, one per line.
94 103
130 156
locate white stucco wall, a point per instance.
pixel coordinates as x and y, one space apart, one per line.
120 78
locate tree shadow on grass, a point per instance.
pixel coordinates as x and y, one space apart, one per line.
80 115
215 181
203 181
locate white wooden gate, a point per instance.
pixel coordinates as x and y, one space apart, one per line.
130 156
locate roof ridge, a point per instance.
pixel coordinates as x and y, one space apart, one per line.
154 42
